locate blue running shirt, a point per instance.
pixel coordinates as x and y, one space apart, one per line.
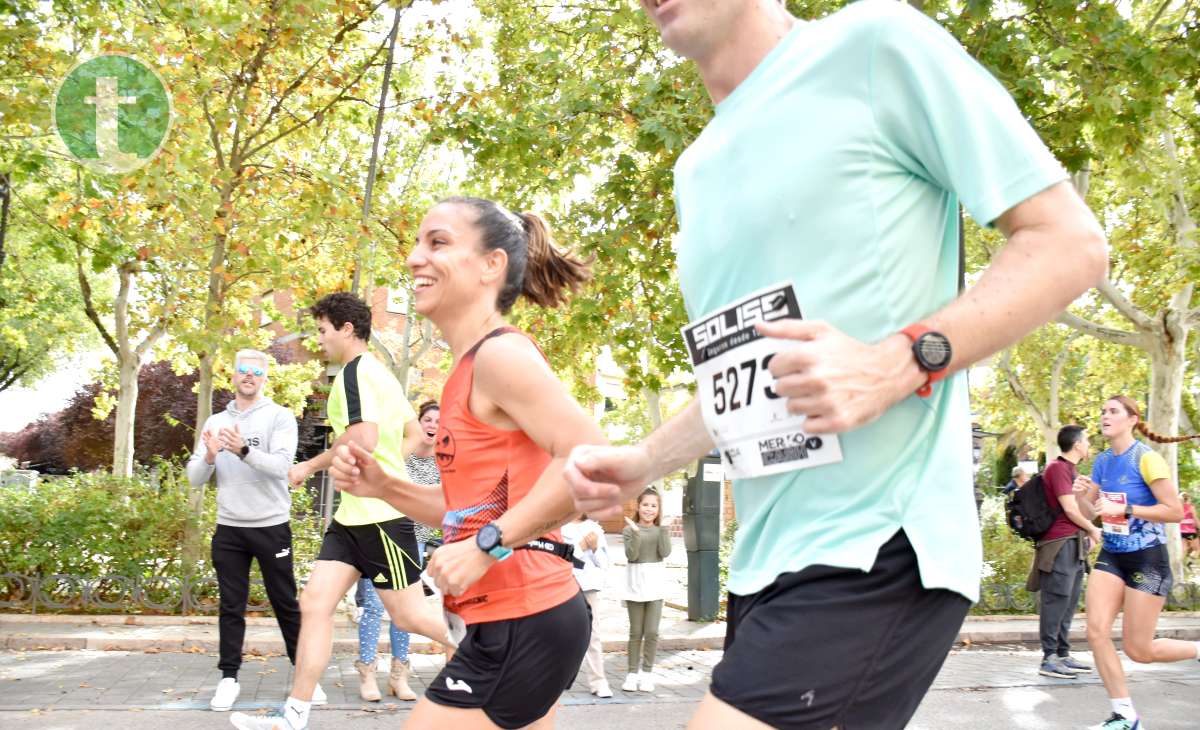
1131 474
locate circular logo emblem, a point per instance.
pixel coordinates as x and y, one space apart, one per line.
113 113
444 448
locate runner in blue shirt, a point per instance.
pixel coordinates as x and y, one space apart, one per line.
1131 490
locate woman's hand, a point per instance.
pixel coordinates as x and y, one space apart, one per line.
455 567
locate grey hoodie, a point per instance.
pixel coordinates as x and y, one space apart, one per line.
251 492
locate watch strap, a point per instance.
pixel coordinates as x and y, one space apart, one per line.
914 332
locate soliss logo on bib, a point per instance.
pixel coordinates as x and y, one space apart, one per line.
748 420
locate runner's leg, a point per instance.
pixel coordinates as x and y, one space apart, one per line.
329 581
1105 594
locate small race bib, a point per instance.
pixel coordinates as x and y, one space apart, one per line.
748 421
1115 525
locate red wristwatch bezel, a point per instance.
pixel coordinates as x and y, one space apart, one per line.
914 332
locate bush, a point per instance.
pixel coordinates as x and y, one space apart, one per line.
1006 562
94 525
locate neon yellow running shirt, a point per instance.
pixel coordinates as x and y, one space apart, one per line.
366 391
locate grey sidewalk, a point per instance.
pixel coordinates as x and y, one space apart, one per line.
93 680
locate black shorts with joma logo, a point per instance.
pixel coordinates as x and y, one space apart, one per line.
515 670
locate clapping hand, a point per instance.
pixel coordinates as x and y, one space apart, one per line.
231 439
212 445
632 524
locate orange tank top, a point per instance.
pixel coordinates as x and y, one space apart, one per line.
485 470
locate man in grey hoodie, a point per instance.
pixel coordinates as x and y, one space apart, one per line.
250 445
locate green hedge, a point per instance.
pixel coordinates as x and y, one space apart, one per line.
95 525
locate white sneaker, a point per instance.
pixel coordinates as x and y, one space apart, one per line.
319 697
603 691
273 721
631 682
646 682
226 694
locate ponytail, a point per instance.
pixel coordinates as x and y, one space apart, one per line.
1158 438
550 274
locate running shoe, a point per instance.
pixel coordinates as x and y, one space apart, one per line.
1119 722
1075 666
226 694
273 721
1054 667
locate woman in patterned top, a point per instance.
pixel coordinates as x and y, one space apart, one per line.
1131 491
422 466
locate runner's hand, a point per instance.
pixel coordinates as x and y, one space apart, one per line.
298 474
1096 536
356 472
212 445
1107 508
1082 485
602 477
455 567
838 382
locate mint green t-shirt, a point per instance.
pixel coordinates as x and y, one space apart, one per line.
839 164
366 390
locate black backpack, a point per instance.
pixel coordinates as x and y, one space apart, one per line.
1027 511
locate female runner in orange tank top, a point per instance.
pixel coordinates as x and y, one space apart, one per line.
507 426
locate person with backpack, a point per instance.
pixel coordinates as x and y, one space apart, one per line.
1060 559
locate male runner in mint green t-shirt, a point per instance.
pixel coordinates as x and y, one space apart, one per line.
830 178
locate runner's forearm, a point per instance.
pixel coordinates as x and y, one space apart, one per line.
425 503
678 442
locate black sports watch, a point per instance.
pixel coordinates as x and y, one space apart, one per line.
488 539
245 450
1128 510
932 352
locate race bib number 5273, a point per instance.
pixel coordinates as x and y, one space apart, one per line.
748 421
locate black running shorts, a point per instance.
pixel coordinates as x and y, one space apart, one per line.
833 647
1147 570
385 552
515 670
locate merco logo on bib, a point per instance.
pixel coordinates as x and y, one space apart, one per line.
748 421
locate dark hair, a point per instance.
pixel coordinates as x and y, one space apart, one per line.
1068 436
536 267
652 492
1132 409
426 407
343 307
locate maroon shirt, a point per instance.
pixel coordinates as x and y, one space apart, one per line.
1057 480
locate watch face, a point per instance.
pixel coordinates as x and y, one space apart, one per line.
488 537
933 349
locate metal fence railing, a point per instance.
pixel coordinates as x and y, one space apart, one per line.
164 594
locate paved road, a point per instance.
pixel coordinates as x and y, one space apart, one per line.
976 689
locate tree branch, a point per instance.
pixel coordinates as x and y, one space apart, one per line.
1124 306
1100 332
1014 383
85 288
